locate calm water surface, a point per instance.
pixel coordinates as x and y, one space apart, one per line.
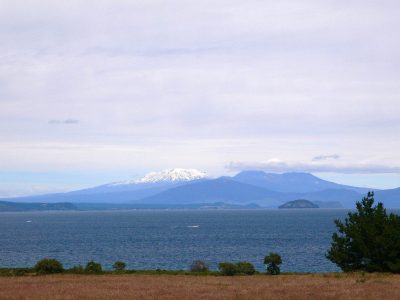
170 239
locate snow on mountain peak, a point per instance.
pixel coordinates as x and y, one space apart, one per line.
171 175
176 174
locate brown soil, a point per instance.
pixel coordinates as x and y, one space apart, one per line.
138 286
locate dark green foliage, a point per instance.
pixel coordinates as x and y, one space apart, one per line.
245 267
199 266
228 269
77 270
16 271
119 266
368 240
93 267
272 262
48 266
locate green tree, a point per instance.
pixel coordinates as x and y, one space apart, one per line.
228 269
272 262
119 266
78 269
48 266
367 240
93 267
244 267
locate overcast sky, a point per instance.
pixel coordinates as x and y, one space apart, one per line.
96 91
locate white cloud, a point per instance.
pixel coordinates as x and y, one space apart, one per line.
279 166
198 83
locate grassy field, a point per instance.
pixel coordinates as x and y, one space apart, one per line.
140 286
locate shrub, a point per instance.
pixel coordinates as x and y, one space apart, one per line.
93 267
16 271
77 269
48 266
119 266
272 262
199 266
227 268
368 240
245 267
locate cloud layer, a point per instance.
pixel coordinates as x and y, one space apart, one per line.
199 84
279 166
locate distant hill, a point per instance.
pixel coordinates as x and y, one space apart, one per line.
156 181
117 206
390 198
218 190
292 182
123 191
347 198
12 206
179 187
95 196
301 203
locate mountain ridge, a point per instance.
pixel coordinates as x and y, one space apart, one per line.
216 190
263 189
298 182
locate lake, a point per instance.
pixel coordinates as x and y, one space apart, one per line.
170 239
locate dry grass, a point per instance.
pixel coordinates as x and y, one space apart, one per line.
139 286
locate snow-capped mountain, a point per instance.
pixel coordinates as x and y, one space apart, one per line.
129 190
190 186
176 174
168 175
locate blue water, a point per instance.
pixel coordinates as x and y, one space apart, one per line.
170 239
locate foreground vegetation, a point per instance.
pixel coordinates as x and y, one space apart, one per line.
48 266
141 286
368 239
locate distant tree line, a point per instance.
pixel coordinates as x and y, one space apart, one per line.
53 266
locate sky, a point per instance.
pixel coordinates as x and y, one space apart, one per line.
99 91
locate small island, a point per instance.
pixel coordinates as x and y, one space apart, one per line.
301 203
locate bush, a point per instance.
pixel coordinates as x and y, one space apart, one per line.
227 268
48 266
245 267
368 240
272 262
199 266
119 266
16 271
93 267
77 270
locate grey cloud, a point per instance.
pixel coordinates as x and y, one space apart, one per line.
71 121
66 122
277 166
326 157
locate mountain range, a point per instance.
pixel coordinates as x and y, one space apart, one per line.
190 187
